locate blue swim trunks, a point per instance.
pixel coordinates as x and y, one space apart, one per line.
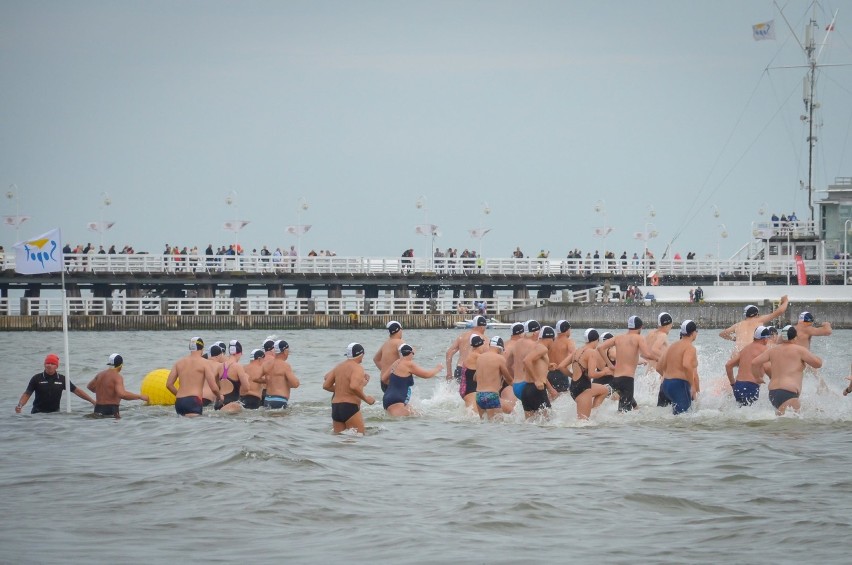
518 389
275 402
677 391
746 393
488 400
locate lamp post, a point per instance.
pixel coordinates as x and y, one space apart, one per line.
723 233
427 229
645 236
16 220
107 201
303 207
846 232
486 209
603 231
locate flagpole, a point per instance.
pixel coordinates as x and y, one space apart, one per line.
65 340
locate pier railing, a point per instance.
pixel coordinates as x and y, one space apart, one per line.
168 264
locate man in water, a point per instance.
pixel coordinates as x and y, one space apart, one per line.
492 372
347 381
679 367
507 395
657 341
742 331
108 386
788 362
389 351
461 345
628 346
516 353
560 354
805 329
278 377
746 386
251 395
48 387
536 365
193 371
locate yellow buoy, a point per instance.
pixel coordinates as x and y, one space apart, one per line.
154 387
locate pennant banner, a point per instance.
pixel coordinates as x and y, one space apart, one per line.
42 254
298 230
426 229
602 232
100 227
235 226
14 221
478 233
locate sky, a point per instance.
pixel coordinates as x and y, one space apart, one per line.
557 117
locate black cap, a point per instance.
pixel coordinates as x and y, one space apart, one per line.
115 360
634 323
215 350
405 350
788 333
235 347
393 327
476 340
517 328
353 350
532 326
281 346
268 345
592 335
664 319
480 321
257 354
547 333
562 326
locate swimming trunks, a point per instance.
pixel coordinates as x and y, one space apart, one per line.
188 405
607 380
779 396
746 393
534 399
559 380
399 390
457 374
107 410
518 388
343 411
468 384
275 402
579 386
677 391
662 401
624 387
488 400
250 402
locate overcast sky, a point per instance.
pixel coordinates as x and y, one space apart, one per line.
543 110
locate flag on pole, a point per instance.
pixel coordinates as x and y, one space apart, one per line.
602 232
14 221
235 226
42 254
426 229
763 30
100 227
478 233
301 229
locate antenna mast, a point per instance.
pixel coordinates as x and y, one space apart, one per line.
808 97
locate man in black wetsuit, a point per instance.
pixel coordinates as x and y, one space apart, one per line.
48 386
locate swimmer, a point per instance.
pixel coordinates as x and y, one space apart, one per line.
468 385
746 385
628 347
560 355
516 353
252 393
848 389
679 368
805 329
507 394
232 378
389 351
657 341
193 371
492 373
788 363
216 357
347 381
742 331
278 377
108 386
586 364
461 345
611 353
535 398
399 377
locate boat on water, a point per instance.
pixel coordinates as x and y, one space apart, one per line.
493 323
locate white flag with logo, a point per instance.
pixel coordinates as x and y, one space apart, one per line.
479 233
298 230
236 225
42 254
763 30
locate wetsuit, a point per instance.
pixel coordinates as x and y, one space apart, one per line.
399 390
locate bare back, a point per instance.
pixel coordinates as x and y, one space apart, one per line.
788 364
192 371
491 372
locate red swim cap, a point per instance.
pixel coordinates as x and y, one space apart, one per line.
53 359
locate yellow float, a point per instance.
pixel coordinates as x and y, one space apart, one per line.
154 387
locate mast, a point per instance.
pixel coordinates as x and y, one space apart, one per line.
808 96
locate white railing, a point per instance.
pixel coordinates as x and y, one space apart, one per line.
145 263
259 305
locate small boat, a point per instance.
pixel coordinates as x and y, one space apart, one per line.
493 323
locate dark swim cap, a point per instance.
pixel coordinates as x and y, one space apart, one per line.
476 341
405 350
592 335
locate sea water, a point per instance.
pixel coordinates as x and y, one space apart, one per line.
717 484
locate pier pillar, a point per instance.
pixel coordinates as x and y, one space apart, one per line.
72 290
402 293
371 292
239 291
133 291
205 291
275 291
520 293
335 291
101 291
470 291
303 291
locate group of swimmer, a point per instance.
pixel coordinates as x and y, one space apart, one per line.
535 365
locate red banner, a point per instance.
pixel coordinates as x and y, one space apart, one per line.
800 271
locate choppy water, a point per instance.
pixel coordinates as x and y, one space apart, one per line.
719 484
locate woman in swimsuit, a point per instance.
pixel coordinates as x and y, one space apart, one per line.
399 377
585 365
